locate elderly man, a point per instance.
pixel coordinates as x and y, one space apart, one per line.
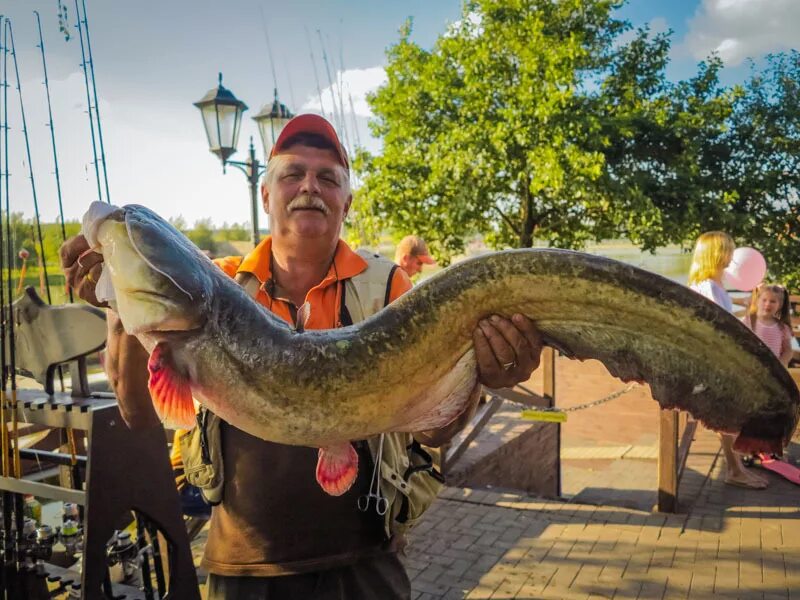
275 534
411 253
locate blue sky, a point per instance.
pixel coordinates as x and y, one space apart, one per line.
154 58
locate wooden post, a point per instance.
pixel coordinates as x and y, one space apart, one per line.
668 461
548 365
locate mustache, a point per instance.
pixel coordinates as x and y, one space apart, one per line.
307 201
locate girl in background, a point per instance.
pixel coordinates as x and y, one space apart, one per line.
713 252
768 317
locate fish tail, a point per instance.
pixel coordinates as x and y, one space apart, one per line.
170 390
337 467
753 445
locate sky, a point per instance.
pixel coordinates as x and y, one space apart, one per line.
153 58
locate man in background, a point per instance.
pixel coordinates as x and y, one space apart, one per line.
411 254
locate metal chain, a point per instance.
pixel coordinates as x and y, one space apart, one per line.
603 400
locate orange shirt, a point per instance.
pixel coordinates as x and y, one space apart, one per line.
325 298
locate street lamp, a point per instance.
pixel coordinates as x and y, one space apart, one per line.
222 118
271 120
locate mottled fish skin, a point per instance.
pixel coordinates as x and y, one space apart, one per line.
321 387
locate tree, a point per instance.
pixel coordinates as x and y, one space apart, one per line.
179 223
762 175
531 119
203 235
233 233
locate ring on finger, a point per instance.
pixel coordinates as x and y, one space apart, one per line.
509 365
90 277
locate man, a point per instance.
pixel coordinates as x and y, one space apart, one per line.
411 254
276 534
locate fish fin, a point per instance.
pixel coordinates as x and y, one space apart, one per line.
753 445
303 315
337 467
170 390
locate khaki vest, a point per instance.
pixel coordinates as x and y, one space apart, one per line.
408 479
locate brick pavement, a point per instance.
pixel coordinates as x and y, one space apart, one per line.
606 542
726 543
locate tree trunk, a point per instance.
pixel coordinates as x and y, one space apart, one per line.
530 222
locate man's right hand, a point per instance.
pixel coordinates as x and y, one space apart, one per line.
82 268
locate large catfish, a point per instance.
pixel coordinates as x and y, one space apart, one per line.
411 366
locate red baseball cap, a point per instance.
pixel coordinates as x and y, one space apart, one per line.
310 123
414 245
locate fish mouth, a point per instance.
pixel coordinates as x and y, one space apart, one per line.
162 313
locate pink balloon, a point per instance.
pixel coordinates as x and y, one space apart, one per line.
747 269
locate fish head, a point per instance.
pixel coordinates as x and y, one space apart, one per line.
157 280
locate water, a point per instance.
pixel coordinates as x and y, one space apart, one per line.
671 262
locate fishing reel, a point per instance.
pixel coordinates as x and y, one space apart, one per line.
71 537
121 550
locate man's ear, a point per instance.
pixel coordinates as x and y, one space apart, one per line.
347 204
265 197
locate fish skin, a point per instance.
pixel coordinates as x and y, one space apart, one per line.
319 388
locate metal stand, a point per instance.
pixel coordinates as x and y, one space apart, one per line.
126 471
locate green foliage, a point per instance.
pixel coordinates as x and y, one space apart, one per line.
179 223
233 233
762 173
534 120
493 130
203 235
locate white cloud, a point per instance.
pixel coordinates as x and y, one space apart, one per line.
658 25
355 84
738 29
352 112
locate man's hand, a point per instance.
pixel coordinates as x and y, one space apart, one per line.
81 268
507 350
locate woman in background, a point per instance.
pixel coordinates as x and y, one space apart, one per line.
713 252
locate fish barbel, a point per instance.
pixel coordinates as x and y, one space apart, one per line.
410 367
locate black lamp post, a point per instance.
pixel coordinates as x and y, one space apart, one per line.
271 120
222 118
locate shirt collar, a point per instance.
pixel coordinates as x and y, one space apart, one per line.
346 263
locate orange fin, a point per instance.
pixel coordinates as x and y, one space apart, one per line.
170 391
337 467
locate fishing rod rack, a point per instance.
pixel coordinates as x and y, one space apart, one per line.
122 472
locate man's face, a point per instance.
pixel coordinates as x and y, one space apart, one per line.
411 264
307 195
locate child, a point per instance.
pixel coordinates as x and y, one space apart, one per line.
768 317
713 252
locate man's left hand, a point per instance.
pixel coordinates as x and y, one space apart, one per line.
507 350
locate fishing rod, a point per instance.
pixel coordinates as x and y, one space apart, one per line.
58 189
269 50
4 447
316 75
357 140
289 79
88 101
30 163
51 126
337 106
330 80
341 85
12 366
353 114
94 93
